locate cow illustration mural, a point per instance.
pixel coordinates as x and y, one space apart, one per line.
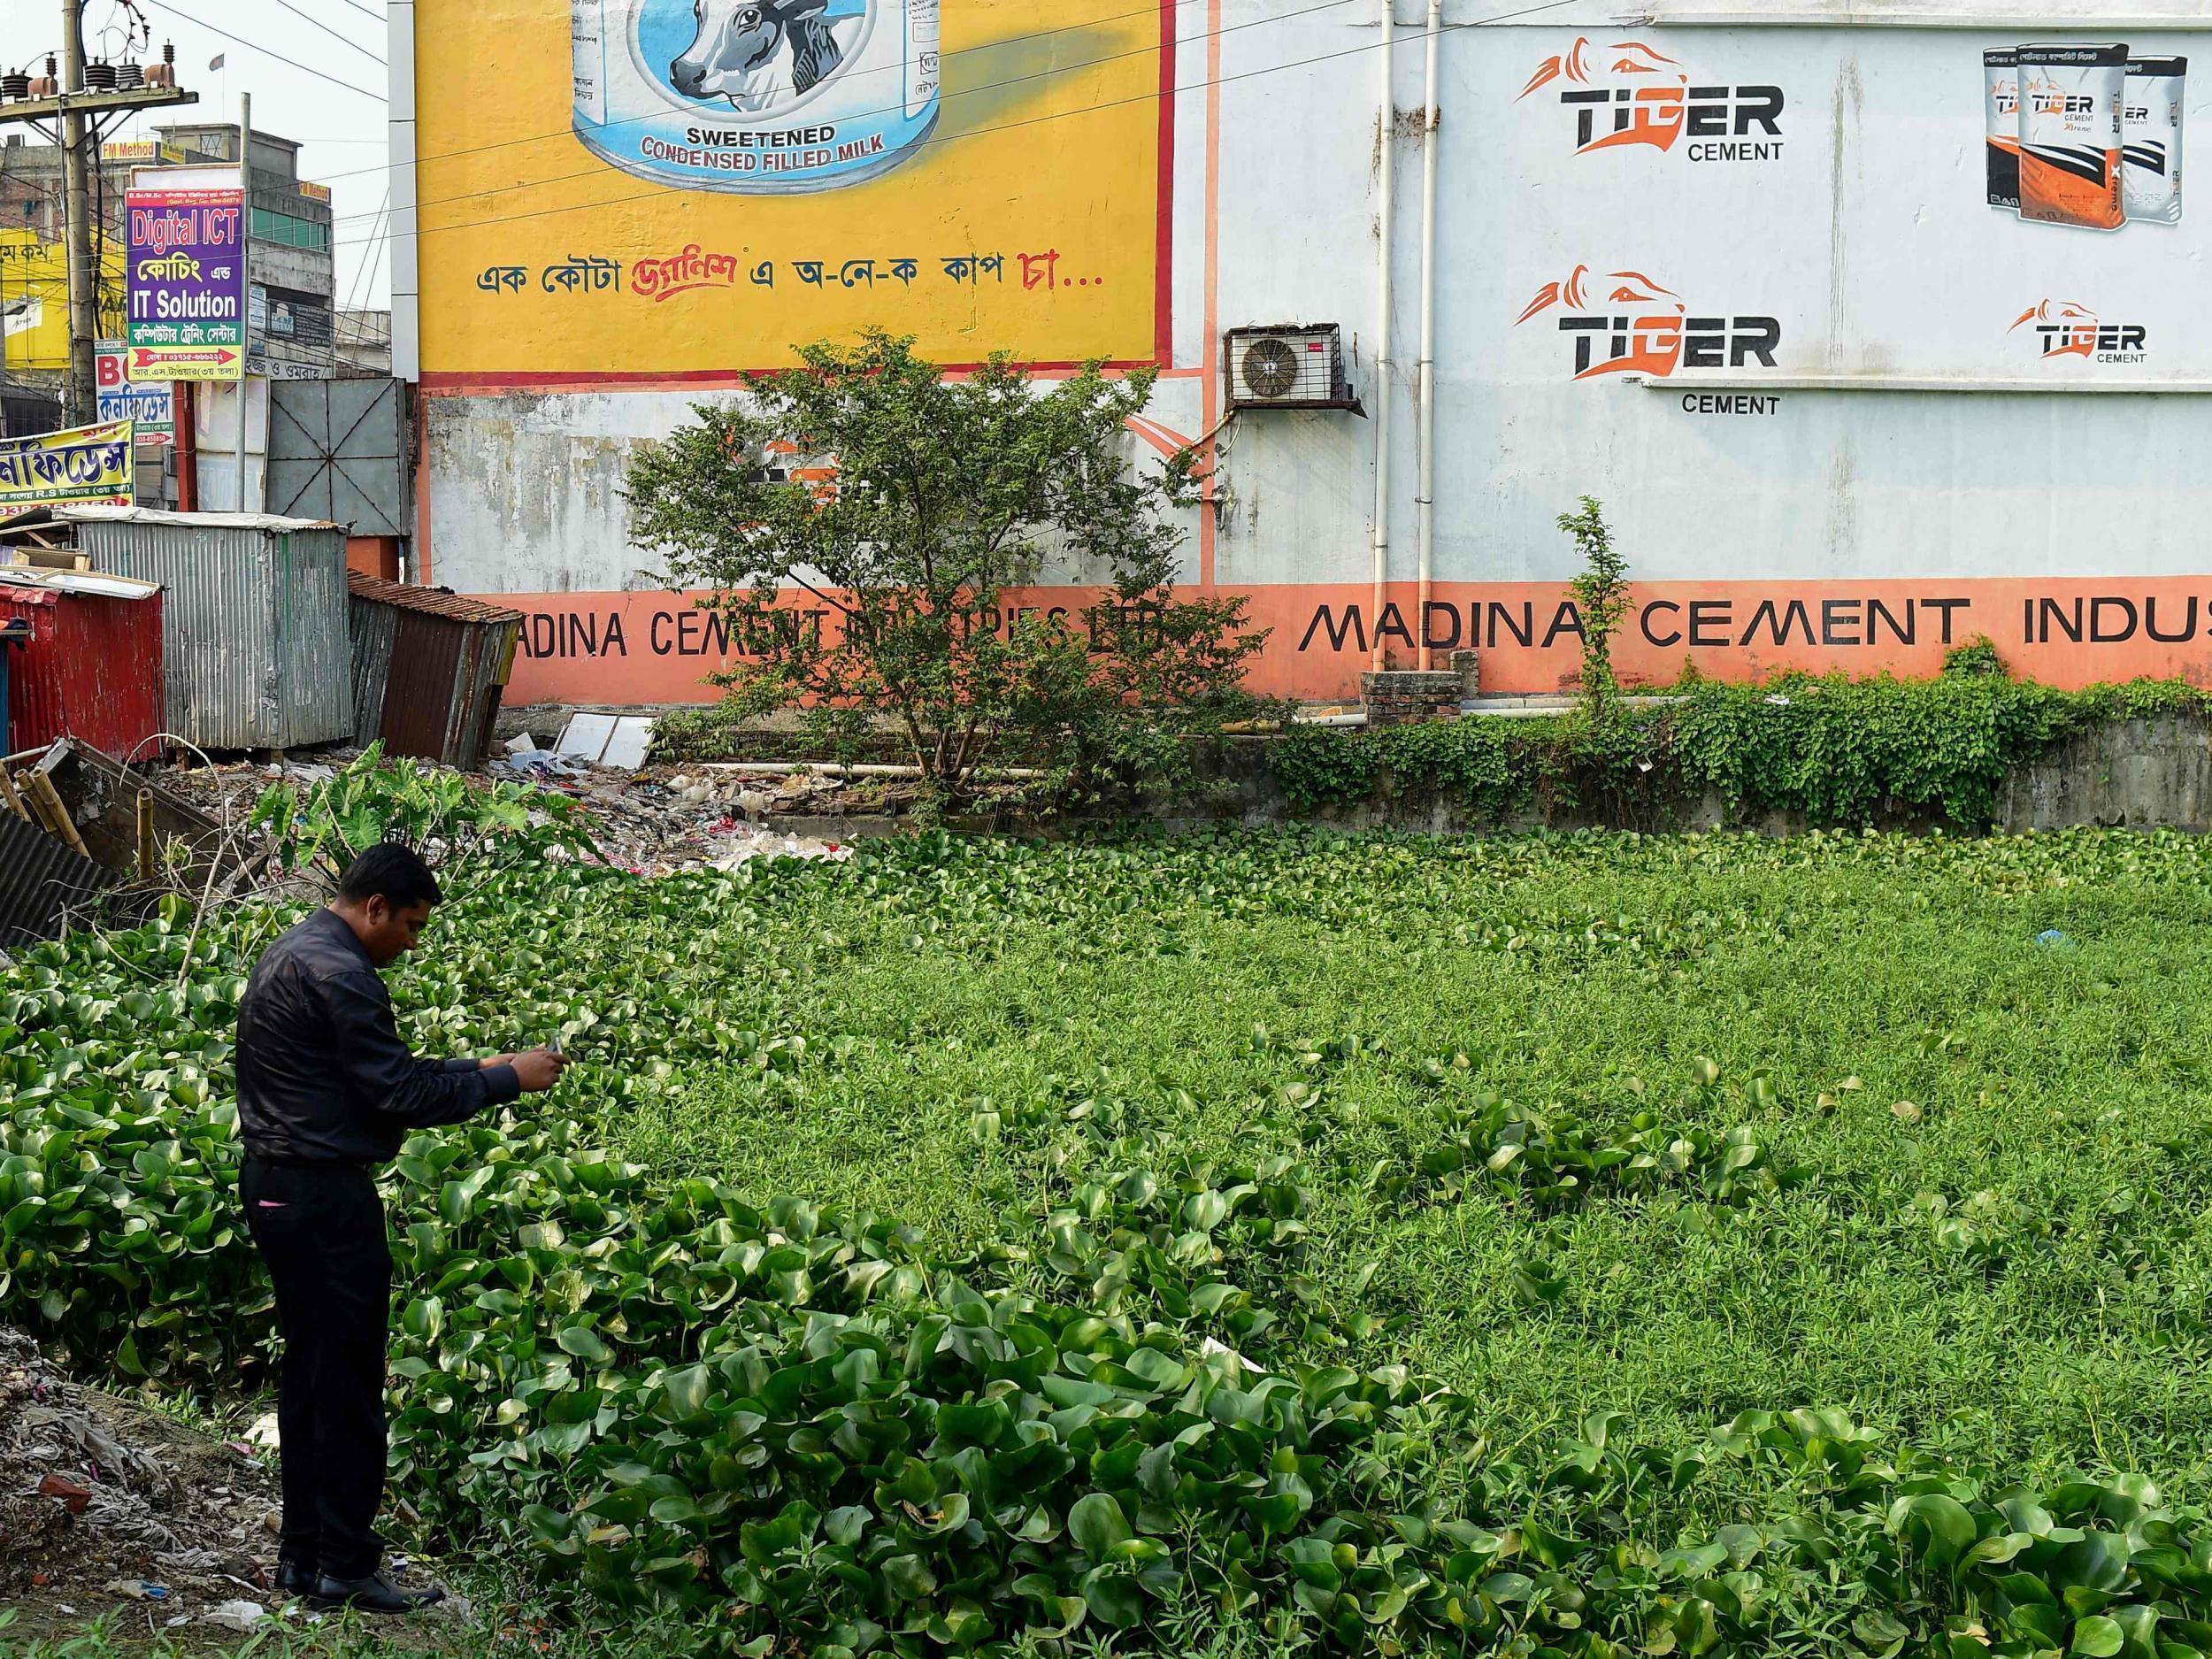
761 54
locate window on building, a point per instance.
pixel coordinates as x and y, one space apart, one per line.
290 232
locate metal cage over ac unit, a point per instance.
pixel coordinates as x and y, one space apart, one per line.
1297 365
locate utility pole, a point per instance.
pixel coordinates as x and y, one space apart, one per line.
72 117
84 308
245 257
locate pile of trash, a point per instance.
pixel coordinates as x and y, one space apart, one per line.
110 1509
105 1504
649 822
660 824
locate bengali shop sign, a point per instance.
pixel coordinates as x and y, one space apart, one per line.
149 405
186 296
66 469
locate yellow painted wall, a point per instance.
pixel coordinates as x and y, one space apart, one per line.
35 300
1048 144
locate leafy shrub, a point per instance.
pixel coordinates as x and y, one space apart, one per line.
1833 750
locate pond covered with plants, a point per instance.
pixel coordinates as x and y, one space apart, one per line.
1547 1245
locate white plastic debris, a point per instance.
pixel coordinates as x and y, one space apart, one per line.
236 1614
262 1430
1209 1347
522 743
607 740
539 762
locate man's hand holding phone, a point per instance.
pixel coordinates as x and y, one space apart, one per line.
538 1069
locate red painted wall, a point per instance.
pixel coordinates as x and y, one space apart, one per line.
2065 631
92 670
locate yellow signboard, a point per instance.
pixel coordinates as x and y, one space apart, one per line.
60 469
656 191
35 300
150 151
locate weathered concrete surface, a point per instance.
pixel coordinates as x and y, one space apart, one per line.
2143 775
2146 774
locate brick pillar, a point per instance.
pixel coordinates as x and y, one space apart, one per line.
1400 696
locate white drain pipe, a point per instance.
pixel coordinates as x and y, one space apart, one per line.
1386 145
1424 504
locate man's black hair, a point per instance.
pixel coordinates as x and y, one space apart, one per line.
391 872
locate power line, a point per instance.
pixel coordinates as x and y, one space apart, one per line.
368 254
948 138
255 46
334 34
366 11
987 46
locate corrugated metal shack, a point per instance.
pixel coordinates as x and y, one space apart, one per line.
427 669
254 622
92 666
41 878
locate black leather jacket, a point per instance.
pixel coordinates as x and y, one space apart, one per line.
323 1076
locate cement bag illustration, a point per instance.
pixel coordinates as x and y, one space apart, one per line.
2070 135
2150 130
2001 105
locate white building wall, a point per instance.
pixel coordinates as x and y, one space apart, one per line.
1908 442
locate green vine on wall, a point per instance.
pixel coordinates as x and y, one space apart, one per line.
1831 749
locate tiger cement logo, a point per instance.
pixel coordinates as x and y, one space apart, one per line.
2065 329
1631 94
1645 329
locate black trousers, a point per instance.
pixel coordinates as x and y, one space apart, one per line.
320 1228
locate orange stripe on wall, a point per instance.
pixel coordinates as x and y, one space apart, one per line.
641 648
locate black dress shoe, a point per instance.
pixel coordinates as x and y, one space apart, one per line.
375 1594
292 1578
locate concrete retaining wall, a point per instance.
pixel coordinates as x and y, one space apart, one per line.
2140 774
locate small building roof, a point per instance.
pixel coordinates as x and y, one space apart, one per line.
430 601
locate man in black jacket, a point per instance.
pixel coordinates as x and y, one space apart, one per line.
326 1090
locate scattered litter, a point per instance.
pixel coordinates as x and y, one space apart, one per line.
2051 939
541 762
106 1502
650 821
521 744
181 1619
262 1431
236 1614
75 1499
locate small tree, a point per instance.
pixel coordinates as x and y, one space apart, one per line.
1601 597
924 501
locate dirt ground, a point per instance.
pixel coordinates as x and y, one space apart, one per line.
110 1509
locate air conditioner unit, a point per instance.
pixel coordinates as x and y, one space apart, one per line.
1291 367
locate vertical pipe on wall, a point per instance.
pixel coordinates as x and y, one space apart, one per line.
1425 502
1386 135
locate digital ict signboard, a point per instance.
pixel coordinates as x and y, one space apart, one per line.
186 299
